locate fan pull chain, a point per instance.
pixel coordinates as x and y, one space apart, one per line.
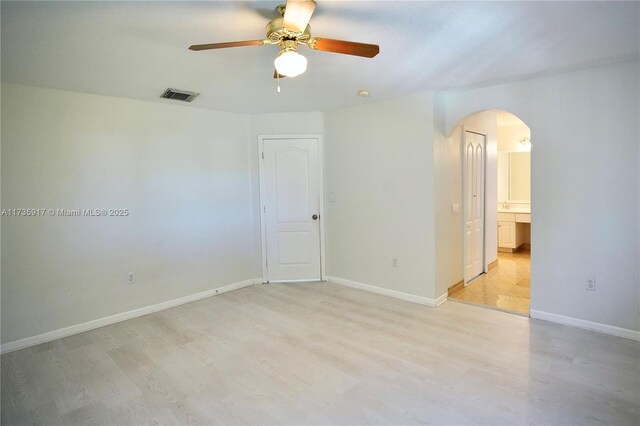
278 82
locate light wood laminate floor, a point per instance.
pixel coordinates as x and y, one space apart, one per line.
506 286
324 354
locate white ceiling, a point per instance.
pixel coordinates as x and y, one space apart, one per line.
138 49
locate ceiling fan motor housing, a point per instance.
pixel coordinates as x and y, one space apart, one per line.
276 33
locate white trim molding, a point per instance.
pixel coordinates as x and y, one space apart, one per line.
587 325
441 299
390 293
123 316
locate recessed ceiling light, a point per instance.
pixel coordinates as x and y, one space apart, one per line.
363 93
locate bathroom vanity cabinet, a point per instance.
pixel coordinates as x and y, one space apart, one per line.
513 230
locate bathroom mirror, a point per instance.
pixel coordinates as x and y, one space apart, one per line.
514 176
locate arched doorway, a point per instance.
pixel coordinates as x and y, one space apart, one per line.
495 211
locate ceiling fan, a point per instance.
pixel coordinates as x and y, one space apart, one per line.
291 30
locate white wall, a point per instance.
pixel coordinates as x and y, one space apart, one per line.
509 137
585 187
274 124
189 177
448 190
183 173
379 166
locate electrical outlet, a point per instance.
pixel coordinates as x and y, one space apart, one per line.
394 262
131 278
590 284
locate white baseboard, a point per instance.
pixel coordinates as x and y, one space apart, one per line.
101 322
442 298
391 293
587 325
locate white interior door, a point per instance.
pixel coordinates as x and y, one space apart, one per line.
474 185
291 209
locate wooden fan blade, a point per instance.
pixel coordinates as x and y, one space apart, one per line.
346 47
297 14
209 46
275 74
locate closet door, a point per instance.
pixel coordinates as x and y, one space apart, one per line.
474 195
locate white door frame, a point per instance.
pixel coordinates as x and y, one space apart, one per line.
466 129
263 223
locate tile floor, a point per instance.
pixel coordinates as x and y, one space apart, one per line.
504 287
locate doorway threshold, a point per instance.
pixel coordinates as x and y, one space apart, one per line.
475 278
495 308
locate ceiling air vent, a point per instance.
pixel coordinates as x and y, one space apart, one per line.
179 95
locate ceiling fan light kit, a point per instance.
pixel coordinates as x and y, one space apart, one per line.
289 62
292 30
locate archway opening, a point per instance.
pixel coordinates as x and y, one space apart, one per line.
495 211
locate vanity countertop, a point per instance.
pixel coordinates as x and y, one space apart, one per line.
520 211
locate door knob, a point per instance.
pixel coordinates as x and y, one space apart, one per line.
314 217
